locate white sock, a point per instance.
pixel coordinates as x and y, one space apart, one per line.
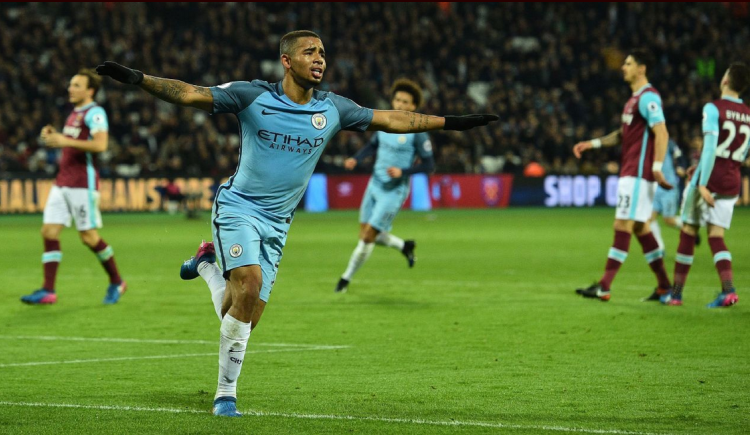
389 240
656 230
234 336
211 273
359 256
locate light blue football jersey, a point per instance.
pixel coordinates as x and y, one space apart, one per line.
281 142
399 150
668 169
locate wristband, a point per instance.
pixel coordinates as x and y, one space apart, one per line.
596 143
656 167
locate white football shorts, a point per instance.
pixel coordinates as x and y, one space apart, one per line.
696 212
81 204
635 199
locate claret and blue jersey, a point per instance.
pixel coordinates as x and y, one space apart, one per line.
641 113
726 129
281 142
77 168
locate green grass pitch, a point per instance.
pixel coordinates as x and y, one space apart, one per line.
484 335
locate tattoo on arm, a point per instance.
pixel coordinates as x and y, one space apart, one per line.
422 122
172 91
418 122
200 90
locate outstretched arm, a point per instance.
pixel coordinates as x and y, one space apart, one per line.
609 140
177 92
399 121
171 91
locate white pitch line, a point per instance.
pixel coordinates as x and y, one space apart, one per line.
132 358
496 283
416 421
152 341
83 361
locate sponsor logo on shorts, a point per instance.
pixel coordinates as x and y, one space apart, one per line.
236 250
235 360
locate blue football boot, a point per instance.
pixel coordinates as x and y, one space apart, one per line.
226 406
114 291
206 252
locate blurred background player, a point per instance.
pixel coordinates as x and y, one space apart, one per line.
666 202
644 138
389 184
75 192
285 126
173 199
715 186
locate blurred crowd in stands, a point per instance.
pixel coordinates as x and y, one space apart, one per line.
550 70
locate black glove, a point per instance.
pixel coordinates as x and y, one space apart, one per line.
120 73
466 122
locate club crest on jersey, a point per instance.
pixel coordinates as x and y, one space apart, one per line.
402 139
319 121
236 250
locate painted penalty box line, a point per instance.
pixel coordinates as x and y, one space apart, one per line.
254 413
158 341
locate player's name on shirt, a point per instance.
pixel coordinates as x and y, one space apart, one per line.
737 116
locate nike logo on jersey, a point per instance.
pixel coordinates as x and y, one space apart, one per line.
269 113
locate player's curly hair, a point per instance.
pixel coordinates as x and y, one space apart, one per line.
95 80
739 77
643 57
288 41
410 87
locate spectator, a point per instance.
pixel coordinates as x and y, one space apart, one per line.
550 71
